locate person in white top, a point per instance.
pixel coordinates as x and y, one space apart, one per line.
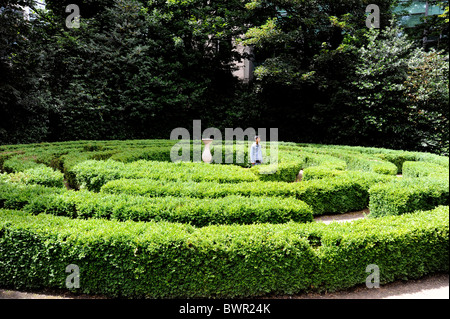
256 152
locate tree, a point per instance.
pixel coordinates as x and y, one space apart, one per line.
304 55
21 114
402 93
141 68
427 90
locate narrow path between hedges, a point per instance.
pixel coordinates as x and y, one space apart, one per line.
346 217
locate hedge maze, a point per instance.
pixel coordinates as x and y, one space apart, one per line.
141 226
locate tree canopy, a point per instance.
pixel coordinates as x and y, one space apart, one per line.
138 69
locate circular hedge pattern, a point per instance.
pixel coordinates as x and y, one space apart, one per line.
139 225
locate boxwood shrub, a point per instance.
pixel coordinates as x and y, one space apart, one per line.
94 174
320 172
16 195
407 195
172 260
423 169
225 210
18 164
41 175
159 188
346 192
354 160
248 243
280 172
343 193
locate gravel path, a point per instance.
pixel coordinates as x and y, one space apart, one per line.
342 217
429 287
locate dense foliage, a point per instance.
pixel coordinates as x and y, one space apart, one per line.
171 260
143 226
138 69
330 80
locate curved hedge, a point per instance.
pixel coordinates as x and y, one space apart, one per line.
407 195
424 169
167 260
197 230
344 193
94 174
227 210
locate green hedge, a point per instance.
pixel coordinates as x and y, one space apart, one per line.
281 172
397 157
354 160
367 164
41 175
400 157
18 164
165 260
320 172
159 188
94 174
407 195
161 154
5 155
423 169
16 195
198 212
343 193
316 166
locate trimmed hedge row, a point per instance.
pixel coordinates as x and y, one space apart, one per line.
360 162
48 152
159 188
18 164
318 161
343 193
407 195
166 260
320 172
355 160
400 157
396 157
423 169
225 210
5 155
41 175
94 174
16 195
322 166
281 172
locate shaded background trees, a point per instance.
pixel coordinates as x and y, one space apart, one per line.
331 80
22 117
138 69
